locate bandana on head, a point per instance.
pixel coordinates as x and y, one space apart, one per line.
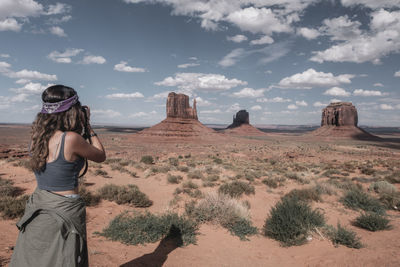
50 108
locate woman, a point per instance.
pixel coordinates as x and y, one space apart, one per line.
53 228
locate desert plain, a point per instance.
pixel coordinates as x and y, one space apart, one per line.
187 170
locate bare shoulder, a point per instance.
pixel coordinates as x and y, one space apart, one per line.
73 138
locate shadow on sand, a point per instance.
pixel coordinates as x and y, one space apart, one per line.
160 254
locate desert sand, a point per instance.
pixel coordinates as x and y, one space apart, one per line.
216 246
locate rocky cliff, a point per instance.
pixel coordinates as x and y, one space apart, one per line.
242 117
241 125
181 121
178 107
340 120
340 114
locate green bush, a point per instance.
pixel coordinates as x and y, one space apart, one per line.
272 183
196 174
291 220
224 210
127 194
306 194
89 198
236 189
13 207
383 187
183 169
394 177
372 222
357 199
343 236
173 161
217 160
174 179
147 159
145 228
7 188
100 172
390 200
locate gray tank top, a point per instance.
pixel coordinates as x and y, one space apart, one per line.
60 174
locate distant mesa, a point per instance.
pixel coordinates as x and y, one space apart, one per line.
181 121
340 119
241 125
242 117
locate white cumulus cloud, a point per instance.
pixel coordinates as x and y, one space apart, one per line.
301 103
237 38
263 40
397 74
292 107
93 60
105 113
231 58
249 93
307 33
361 92
64 57
57 31
123 67
187 65
386 107
337 91
319 104
189 82
125 96
256 107
312 78
10 24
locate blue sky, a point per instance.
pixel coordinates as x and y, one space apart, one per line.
282 60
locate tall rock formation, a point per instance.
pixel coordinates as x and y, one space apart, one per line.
178 107
241 125
340 119
181 121
242 117
340 114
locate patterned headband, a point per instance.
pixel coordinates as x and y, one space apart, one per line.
50 108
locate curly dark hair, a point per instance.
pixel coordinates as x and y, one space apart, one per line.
45 125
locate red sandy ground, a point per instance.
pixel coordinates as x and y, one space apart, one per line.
215 245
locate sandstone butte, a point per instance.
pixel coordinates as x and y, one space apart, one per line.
340 119
241 125
181 121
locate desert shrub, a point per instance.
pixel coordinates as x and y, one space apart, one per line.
343 236
145 228
190 185
173 161
183 168
90 199
236 189
372 222
325 189
147 159
291 220
272 183
217 160
12 207
394 177
357 199
296 177
224 210
390 200
8 189
330 172
345 184
195 174
367 170
174 179
100 172
22 163
383 187
306 194
127 194
212 178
